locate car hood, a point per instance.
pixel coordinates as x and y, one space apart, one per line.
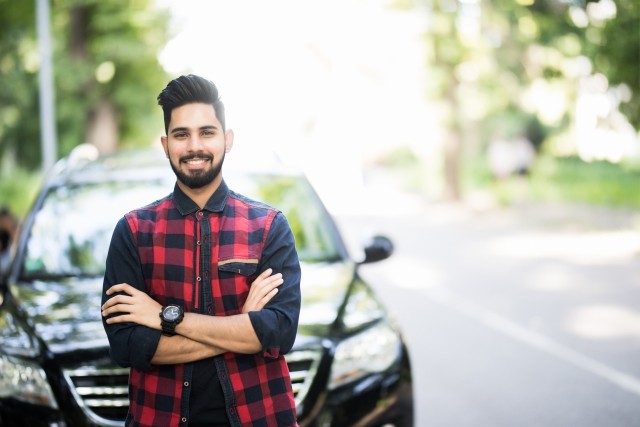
66 313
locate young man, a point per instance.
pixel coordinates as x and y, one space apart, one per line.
202 288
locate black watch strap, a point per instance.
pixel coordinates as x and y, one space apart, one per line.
175 315
168 328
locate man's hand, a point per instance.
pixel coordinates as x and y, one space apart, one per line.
132 305
262 290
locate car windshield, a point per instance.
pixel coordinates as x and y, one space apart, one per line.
71 232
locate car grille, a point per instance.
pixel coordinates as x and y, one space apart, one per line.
303 366
103 392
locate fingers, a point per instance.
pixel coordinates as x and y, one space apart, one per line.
120 302
269 295
118 299
262 290
117 304
265 274
268 282
118 315
266 298
121 287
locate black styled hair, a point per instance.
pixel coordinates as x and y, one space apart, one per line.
190 89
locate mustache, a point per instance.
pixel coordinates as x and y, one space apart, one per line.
196 156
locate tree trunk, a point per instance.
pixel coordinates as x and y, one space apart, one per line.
102 120
447 63
102 128
452 154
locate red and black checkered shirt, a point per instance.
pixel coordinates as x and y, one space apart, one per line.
205 260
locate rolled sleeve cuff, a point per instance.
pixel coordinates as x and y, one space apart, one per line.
269 337
143 345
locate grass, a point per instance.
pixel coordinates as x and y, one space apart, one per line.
565 179
598 183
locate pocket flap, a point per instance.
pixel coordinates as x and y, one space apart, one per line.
246 267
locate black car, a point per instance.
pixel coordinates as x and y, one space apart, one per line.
349 366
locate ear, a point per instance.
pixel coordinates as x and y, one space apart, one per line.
163 141
228 140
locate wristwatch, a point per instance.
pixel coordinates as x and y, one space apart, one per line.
170 316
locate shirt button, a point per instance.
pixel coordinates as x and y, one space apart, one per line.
209 310
198 278
200 214
198 243
186 383
183 419
232 410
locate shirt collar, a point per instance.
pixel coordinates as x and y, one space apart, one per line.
215 203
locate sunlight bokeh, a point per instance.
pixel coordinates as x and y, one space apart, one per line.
342 86
328 85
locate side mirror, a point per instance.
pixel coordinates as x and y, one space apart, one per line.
377 249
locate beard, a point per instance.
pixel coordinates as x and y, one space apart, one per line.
197 179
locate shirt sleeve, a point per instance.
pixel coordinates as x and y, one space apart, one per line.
276 324
123 266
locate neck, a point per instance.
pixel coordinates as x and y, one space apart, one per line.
201 195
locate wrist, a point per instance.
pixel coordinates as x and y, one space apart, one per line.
170 316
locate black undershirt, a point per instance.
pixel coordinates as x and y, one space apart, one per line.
207 400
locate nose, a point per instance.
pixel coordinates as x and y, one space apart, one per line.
195 142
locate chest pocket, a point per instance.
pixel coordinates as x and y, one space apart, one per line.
234 281
245 267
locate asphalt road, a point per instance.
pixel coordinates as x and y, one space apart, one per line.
515 317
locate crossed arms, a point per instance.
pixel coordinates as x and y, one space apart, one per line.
131 317
198 336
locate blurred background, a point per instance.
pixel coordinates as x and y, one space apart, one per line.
497 143
460 99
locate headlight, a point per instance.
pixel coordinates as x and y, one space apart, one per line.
362 308
25 381
373 350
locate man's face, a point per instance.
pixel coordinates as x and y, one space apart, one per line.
196 145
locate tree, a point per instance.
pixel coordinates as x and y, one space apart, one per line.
106 74
18 70
510 68
614 49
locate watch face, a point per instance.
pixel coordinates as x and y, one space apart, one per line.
171 313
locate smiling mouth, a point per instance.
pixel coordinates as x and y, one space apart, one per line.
196 160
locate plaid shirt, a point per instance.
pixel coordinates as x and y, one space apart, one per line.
205 260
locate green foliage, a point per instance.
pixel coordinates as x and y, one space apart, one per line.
561 179
615 51
18 188
18 98
103 51
599 183
516 68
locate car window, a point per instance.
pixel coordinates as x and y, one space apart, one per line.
294 196
71 232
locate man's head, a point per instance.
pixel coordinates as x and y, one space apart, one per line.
190 89
196 139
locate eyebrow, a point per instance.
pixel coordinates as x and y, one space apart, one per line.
184 129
